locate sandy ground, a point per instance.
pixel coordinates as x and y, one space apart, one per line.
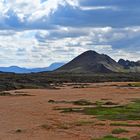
24 117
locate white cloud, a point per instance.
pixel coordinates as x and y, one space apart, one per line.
36 48
32 10
99 8
23 43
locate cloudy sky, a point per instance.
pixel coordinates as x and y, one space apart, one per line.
36 33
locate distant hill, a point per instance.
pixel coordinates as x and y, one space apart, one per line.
127 63
87 62
16 69
91 62
131 66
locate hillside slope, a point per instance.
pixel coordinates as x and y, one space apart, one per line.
91 62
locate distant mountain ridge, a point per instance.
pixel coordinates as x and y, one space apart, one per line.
87 62
16 69
91 62
130 66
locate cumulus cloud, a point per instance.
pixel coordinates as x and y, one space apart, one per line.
40 48
37 33
37 14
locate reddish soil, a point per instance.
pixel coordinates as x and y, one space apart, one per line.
33 118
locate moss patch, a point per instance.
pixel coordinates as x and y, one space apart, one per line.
126 112
110 137
119 131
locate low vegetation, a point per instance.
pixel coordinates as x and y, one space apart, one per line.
83 123
126 112
51 80
5 94
119 131
124 124
81 102
10 94
64 126
110 137
100 124
46 126
134 84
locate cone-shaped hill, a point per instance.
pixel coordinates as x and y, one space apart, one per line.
91 62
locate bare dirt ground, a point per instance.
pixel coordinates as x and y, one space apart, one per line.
33 118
